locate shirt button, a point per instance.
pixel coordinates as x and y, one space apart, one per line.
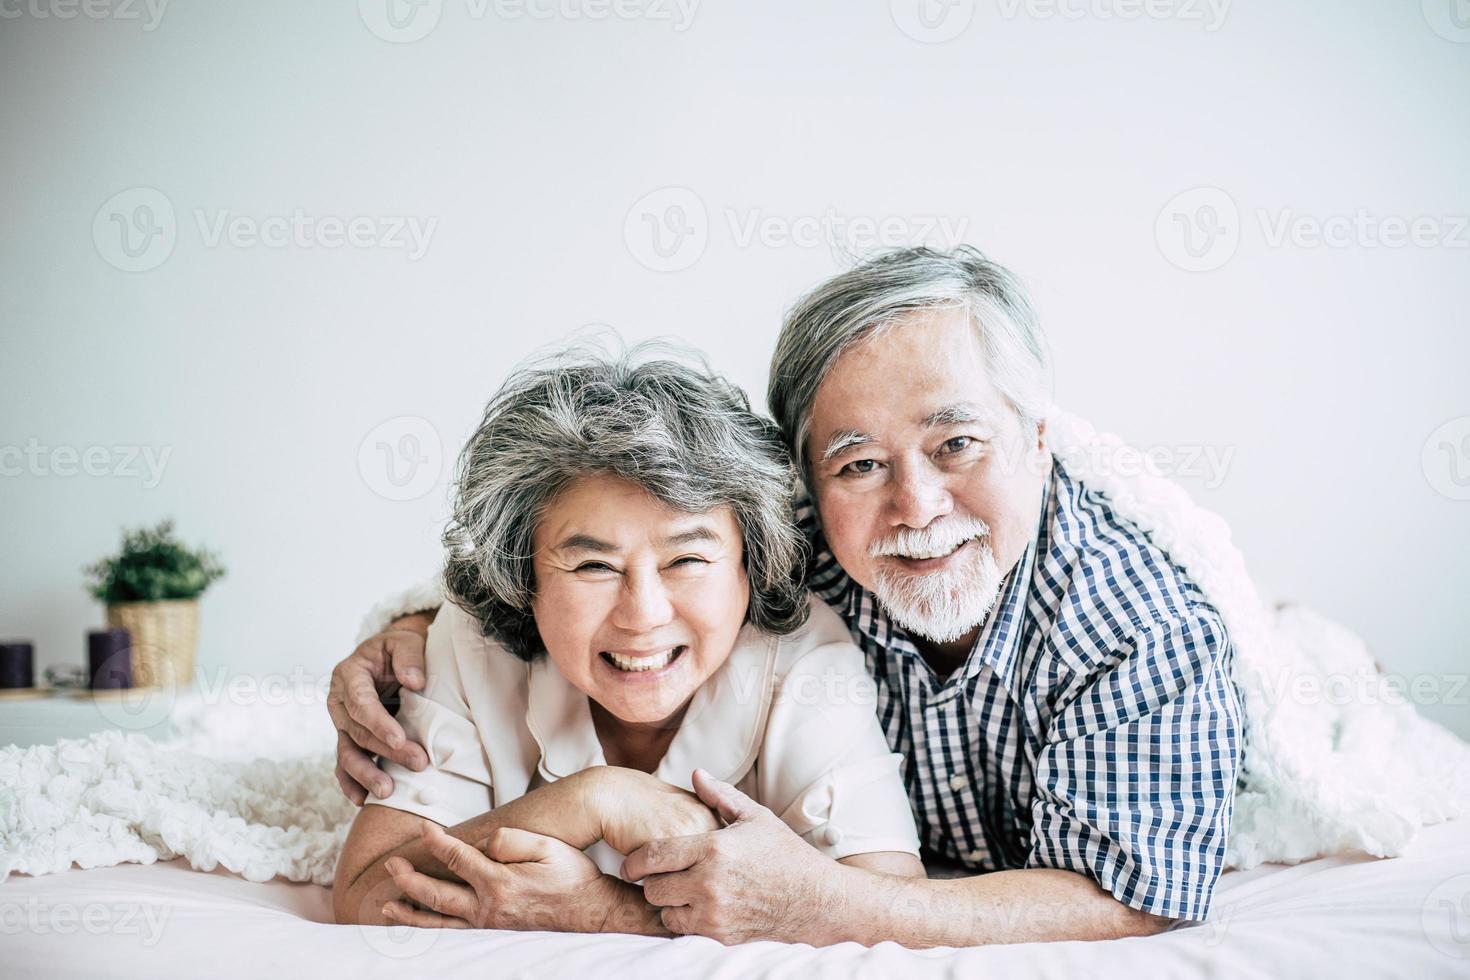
957 781
831 836
424 797
975 857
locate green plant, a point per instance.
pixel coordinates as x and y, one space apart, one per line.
153 566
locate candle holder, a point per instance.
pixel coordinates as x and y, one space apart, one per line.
110 660
18 671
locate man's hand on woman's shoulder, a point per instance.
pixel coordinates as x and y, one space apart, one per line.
361 684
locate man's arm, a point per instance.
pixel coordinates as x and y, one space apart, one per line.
758 880
1022 906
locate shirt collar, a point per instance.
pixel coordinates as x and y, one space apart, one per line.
721 730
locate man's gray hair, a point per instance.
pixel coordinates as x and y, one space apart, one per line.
682 433
884 289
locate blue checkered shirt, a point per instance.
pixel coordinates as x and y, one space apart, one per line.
1094 727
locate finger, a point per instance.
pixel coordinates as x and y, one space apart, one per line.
669 890
408 752
364 706
442 896
407 660
664 856
371 726
731 804
509 845
678 920
364 739
402 914
360 767
351 788
462 860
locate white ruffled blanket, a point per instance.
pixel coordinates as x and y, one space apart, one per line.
1334 760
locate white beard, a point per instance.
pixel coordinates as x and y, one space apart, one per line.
940 606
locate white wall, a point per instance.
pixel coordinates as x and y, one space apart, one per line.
1057 142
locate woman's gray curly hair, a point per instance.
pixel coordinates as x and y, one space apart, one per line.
685 435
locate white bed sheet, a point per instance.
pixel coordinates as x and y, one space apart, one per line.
1337 917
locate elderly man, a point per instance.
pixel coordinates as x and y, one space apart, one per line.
1060 690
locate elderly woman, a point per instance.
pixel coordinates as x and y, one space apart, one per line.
626 608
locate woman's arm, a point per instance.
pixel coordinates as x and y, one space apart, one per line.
362 885
901 864
624 807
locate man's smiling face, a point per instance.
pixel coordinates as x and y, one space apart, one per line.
927 481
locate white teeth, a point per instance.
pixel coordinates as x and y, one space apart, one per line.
921 556
651 662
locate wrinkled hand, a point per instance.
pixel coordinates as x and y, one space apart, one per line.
636 807
373 672
515 880
756 879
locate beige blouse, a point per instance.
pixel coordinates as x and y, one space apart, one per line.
789 720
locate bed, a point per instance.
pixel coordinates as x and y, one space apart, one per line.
1341 916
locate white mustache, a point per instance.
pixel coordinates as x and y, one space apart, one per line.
939 538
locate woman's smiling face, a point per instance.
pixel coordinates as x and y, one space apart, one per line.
638 604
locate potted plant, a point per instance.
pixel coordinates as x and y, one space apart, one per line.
152 590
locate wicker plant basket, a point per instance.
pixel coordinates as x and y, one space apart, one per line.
165 639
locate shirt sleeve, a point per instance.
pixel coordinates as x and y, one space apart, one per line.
456 785
1135 781
825 767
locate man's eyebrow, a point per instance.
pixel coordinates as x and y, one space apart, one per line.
957 414
699 533
844 440
586 542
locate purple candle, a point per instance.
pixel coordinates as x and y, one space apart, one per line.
17 665
110 659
